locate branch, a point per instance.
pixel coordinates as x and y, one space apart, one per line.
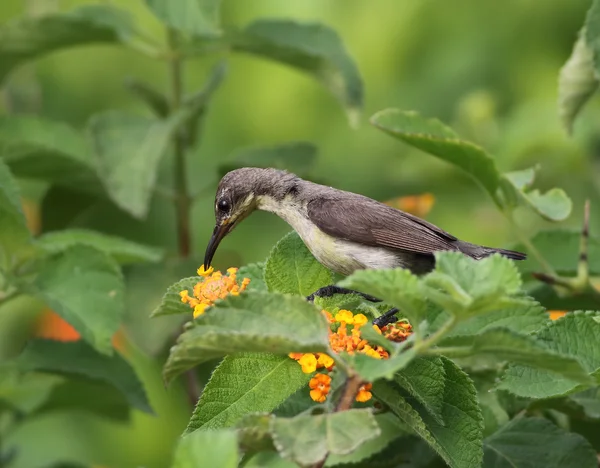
351 388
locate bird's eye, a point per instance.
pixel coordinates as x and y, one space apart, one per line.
223 206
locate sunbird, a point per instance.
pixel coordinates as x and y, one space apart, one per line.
344 231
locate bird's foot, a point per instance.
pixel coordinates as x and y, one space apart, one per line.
328 291
386 319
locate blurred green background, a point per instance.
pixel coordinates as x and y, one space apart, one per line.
488 69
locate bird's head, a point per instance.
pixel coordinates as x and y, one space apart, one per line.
239 194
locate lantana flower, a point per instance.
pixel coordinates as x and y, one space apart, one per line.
345 335
215 286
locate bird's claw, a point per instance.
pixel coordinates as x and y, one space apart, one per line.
328 291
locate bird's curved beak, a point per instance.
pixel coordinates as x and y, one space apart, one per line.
220 231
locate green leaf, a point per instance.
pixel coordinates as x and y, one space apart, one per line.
296 156
456 284
153 98
424 378
576 335
80 359
254 434
433 137
128 149
524 318
591 32
196 17
145 289
307 439
86 395
85 287
589 401
246 383
391 429
529 442
577 82
292 269
26 38
26 392
459 440
122 250
255 272
522 179
52 151
398 287
506 345
15 238
310 47
563 260
171 301
494 413
554 205
254 321
207 448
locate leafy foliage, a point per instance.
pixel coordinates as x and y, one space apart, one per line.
122 250
197 17
15 240
26 38
458 440
307 439
97 314
80 359
575 335
215 448
128 149
245 383
311 47
522 441
477 357
291 268
433 137
237 324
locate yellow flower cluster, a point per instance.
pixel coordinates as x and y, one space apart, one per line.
215 286
343 338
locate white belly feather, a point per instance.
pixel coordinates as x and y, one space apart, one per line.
336 254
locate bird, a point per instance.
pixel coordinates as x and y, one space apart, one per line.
344 231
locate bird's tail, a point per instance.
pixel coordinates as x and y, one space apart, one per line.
479 251
512 254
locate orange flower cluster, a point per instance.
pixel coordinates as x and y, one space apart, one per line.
397 332
343 338
319 385
215 286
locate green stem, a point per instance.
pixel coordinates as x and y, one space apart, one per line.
182 198
351 387
433 339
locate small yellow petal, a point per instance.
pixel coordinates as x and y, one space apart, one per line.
199 309
308 363
203 272
360 320
324 360
344 316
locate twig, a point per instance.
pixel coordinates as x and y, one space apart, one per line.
351 388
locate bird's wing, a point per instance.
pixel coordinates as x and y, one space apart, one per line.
365 221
